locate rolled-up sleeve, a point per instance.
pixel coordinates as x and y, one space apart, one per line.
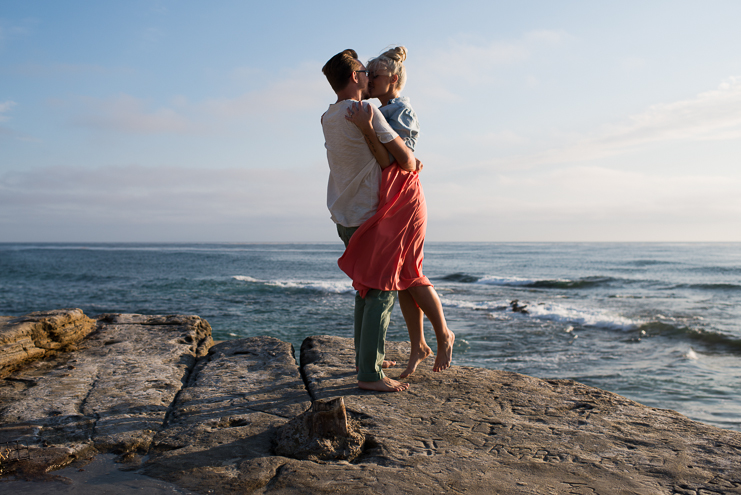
403 120
383 130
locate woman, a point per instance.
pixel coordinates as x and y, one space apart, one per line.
386 252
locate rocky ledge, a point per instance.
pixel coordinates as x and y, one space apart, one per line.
242 417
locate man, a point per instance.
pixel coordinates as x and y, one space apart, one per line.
352 198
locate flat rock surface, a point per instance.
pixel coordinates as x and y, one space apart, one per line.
111 394
219 435
183 415
470 430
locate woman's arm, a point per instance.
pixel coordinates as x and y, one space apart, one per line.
404 121
403 156
364 121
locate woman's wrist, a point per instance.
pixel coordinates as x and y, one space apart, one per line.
367 129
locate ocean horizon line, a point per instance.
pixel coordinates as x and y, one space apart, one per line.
338 241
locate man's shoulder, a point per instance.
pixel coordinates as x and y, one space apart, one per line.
336 111
341 105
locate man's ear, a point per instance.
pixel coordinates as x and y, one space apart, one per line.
354 76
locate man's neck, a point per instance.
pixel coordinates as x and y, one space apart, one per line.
350 94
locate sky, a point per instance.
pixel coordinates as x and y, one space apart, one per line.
188 121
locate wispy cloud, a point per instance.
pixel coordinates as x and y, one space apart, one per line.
5 108
165 203
466 66
293 95
501 138
594 189
185 193
124 202
300 89
160 6
151 37
473 61
126 113
62 69
710 116
16 29
587 203
10 31
4 117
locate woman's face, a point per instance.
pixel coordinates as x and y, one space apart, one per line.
380 82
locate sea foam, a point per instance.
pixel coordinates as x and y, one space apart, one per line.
327 286
334 287
475 305
508 281
548 311
581 316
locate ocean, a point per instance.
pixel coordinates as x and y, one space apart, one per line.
657 323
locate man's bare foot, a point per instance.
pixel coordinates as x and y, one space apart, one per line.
415 357
444 356
386 364
386 384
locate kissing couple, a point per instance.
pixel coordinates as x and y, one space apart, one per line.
376 200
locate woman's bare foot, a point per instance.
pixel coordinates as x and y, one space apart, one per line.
416 357
444 356
386 384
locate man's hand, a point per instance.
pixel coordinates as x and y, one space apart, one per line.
419 165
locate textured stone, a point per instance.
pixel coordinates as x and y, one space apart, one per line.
112 394
40 335
219 435
237 419
470 430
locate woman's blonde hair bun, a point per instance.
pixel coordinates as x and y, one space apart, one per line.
398 53
393 60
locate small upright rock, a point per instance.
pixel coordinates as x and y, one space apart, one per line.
323 432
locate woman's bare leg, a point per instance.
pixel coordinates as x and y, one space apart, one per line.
414 318
426 298
386 364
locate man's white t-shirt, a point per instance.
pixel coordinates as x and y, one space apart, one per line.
354 173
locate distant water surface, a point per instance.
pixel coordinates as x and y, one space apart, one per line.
658 323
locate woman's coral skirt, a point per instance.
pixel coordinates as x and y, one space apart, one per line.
386 252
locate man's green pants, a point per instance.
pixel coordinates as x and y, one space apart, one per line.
372 316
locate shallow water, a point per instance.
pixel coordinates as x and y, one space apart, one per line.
658 323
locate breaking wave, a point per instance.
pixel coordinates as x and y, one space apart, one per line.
325 286
581 283
579 316
708 337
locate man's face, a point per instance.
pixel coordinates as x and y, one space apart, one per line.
363 81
